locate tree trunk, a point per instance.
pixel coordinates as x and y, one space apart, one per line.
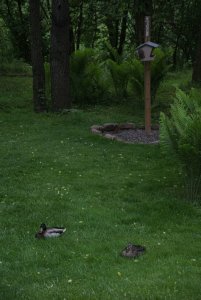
95 23
17 24
60 50
48 5
79 26
139 27
196 77
123 32
145 10
112 26
174 56
72 39
19 4
8 8
37 57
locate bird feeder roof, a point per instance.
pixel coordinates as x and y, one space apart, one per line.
149 44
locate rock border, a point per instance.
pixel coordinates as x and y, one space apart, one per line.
110 130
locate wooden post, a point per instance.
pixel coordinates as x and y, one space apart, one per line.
147 25
147 96
147 82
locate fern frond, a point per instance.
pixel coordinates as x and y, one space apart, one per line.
181 132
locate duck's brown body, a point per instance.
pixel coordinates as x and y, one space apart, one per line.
133 251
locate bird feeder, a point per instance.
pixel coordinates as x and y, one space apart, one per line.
145 51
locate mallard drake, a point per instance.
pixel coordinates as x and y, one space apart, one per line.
133 251
45 232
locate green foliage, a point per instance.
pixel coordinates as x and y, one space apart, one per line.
15 94
6 47
181 134
136 80
120 73
112 53
127 76
15 67
16 17
159 68
170 24
113 80
85 75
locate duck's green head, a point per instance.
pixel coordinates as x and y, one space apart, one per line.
43 227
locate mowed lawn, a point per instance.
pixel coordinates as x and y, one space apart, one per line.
106 194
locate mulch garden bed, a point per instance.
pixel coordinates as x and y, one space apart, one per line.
127 133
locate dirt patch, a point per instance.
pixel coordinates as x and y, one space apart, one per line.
127 133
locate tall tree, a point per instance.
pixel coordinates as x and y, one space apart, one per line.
60 54
15 15
37 57
196 76
122 37
116 21
79 25
142 9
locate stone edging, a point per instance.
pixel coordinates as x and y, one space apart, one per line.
108 130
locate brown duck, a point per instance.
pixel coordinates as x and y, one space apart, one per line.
133 251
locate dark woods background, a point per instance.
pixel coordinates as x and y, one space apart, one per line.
97 34
175 24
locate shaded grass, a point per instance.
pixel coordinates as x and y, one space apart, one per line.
106 193
15 93
15 68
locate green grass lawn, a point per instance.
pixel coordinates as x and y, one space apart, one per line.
106 193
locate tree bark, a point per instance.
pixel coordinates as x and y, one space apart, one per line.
122 37
79 25
72 39
48 5
145 10
19 4
95 23
8 8
112 26
60 52
139 27
39 99
196 77
17 24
